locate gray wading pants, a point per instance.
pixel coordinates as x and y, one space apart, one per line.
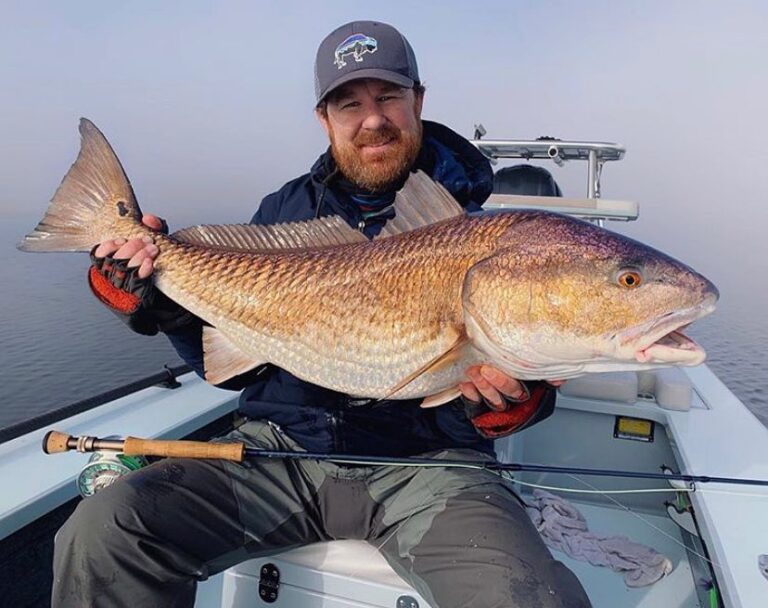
459 536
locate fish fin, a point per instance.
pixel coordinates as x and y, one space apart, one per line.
441 398
420 202
323 232
94 202
222 359
438 363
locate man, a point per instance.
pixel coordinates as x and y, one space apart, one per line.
460 537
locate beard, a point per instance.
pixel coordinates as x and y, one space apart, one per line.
380 171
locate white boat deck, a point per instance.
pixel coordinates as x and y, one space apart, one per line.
606 589
351 574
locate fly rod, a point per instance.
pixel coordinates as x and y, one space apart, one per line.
56 442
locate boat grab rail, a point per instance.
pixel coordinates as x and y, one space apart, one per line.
164 379
595 153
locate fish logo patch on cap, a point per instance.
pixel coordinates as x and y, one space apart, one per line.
356 45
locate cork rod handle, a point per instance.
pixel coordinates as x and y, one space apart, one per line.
184 449
56 442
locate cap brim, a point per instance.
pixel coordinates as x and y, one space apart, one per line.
378 74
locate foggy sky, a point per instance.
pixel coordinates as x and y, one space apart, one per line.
209 105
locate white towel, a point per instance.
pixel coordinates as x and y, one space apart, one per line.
564 528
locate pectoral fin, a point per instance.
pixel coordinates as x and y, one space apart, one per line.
222 359
436 364
441 398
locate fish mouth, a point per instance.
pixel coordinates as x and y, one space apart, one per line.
662 340
673 347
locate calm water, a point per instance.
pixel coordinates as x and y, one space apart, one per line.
61 346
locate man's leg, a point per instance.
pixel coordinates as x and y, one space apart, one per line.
462 538
146 540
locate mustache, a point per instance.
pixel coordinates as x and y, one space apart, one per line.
379 136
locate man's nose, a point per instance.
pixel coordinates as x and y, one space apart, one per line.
374 117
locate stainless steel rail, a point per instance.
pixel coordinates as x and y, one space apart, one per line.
558 151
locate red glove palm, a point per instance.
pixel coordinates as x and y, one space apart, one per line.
538 404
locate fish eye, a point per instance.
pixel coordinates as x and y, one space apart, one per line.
630 279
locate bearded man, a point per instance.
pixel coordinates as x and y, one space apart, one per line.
461 537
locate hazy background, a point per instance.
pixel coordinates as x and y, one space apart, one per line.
209 106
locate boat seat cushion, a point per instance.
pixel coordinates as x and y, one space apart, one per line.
670 387
609 386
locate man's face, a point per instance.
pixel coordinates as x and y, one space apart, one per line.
375 131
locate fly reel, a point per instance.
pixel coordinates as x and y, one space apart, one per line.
105 468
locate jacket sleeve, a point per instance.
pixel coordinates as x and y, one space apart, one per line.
188 343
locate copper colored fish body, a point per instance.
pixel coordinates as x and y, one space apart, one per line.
540 295
358 317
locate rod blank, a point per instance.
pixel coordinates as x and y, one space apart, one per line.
55 442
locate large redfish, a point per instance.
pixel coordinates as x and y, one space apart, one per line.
537 294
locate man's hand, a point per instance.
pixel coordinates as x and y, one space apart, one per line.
139 251
494 387
121 278
498 405
491 385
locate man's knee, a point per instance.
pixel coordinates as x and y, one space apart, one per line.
100 520
482 544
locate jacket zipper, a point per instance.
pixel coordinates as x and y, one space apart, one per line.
334 424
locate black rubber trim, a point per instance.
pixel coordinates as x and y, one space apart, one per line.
45 442
166 378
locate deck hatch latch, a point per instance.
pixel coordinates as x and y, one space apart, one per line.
269 583
406 601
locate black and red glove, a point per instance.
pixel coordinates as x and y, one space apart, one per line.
136 301
538 404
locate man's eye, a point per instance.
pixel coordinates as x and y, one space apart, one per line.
349 105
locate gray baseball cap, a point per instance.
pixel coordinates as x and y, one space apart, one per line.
364 49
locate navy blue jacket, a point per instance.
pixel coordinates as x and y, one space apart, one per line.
323 420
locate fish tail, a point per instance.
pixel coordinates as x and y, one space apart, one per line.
94 202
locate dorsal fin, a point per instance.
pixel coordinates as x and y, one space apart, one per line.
420 202
323 232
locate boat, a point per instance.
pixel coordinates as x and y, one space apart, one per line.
664 422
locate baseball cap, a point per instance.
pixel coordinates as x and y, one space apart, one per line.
364 49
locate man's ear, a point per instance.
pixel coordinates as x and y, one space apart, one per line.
321 114
418 102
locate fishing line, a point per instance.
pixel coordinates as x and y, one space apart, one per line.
56 442
652 525
494 466
508 476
